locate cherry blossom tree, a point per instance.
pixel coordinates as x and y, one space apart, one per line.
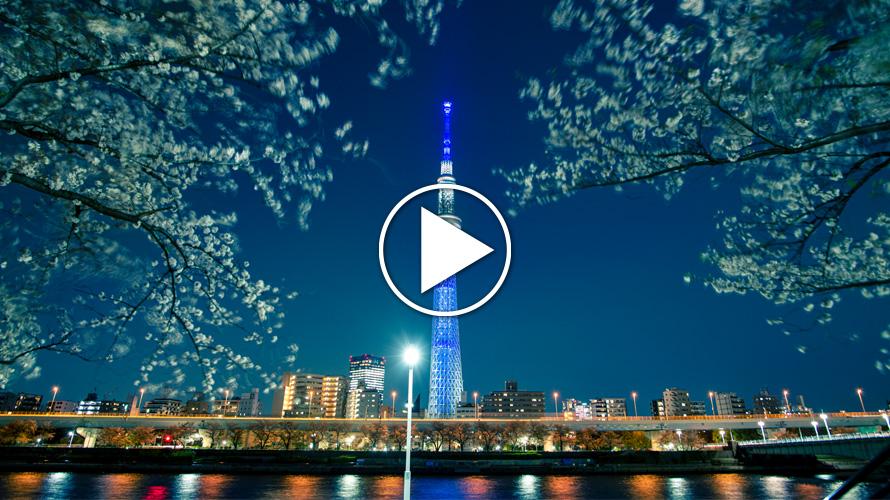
124 124
791 99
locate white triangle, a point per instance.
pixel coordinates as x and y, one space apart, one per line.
445 250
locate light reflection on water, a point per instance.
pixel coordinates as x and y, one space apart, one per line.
187 486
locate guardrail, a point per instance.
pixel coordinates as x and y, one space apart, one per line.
815 439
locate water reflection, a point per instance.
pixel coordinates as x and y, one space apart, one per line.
527 486
24 484
388 487
678 487
57 485
776 486
646 486
563 486
477 487
188 485
729 485
213 485
349 486
156 492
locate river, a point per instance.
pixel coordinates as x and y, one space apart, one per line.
52 485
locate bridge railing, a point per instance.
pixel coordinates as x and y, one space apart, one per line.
812 439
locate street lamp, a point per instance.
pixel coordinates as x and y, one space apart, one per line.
711 398
141 394
393 404
859 393
476 404
762 431
824 418
679 438
633 395
226 404
555 404
53 402
815 427
411 356
70 438
309 414
886 420
723 436
787 404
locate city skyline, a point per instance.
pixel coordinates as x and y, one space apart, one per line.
599 272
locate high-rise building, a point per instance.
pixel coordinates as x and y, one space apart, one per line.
446 375
333 396
366 376
19 402
574 409
197 405
728 404
766 403
299 396
513 403
676 403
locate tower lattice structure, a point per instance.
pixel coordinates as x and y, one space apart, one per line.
446 375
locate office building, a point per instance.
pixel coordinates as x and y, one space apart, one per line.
197 405
363 403
513 403
608 408
92 405
59 406
163 406
676 403
249 404
767 404
19 402
366 376
730 404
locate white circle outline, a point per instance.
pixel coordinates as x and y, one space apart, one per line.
434 187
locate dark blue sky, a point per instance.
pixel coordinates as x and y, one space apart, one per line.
595 304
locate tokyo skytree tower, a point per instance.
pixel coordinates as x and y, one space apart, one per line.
446 376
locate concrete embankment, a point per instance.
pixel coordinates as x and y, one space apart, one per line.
165 460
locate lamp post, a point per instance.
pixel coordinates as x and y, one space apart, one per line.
633 396
70 438
679 438
711 398
824 418
141 394
53 402
886 420
411 356
787 404
393 394
555 404
762 431
309 413
476 403
815 427
861 403
226 404
723 436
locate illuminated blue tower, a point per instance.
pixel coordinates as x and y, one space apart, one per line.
446 375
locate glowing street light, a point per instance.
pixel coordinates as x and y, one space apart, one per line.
762 431
393 394
787 404
476 404
226 404
53 402
723 436
309 414
411 356
555 404
141 394
859 393
70 438
886 420
815 427
633 395
824 418
711 398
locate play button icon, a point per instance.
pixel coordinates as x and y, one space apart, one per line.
445 250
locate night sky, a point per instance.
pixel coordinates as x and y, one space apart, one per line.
595 304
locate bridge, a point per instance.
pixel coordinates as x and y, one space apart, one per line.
856 446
